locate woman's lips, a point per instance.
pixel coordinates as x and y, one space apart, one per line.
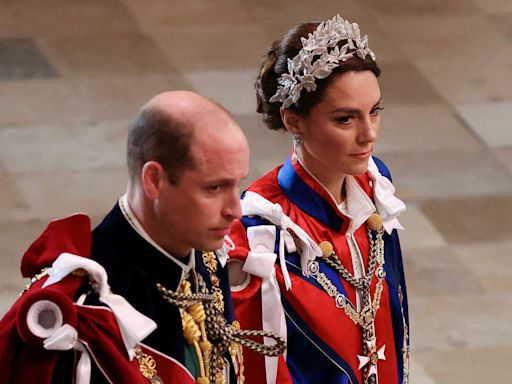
361 155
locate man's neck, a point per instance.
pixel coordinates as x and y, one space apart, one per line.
139 221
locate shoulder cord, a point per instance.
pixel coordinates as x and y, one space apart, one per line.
203 319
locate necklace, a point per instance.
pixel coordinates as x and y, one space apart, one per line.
366 317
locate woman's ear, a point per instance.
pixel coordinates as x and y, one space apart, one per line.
152 176
291 121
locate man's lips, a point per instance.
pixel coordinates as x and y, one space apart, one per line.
222 231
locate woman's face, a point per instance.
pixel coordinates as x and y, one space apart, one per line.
340 131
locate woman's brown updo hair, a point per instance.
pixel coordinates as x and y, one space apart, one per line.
276 63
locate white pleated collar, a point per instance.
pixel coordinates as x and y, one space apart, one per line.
358 206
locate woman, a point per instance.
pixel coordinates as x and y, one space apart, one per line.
320 257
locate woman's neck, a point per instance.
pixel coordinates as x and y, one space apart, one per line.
332 181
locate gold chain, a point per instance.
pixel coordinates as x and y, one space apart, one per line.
366 317
37 277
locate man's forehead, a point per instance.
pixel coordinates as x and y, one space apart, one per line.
220 150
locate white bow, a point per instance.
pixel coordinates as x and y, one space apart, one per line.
260 262
255 204
64 339
388 205
134 326
261 259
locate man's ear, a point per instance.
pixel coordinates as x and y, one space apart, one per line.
152 177
291 121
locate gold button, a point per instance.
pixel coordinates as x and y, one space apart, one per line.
327 249
375 222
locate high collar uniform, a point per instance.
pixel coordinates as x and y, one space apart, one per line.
323 342
135 266
103 321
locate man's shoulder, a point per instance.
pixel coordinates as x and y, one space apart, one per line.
71 234
112 223
111 248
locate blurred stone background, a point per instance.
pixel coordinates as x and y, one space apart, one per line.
73 73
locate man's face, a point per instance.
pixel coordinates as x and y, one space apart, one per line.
199 210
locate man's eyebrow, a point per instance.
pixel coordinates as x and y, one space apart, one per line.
223 180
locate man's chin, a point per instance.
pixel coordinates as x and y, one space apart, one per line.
213 245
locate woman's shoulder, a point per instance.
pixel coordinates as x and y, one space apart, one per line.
267 186
382 167
375 167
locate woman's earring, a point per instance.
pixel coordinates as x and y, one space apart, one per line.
297 141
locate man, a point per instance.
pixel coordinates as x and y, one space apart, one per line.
186 160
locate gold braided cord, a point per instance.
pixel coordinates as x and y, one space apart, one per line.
241 336
183 300
236 352
206 328
193 318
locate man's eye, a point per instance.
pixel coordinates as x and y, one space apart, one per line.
375 111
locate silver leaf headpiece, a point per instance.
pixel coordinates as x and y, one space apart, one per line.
323 42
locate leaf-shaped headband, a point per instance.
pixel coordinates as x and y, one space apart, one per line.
323 42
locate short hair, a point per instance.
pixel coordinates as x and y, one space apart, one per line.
155 135
276 63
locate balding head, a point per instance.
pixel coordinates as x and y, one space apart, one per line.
166 127
187 159
183 105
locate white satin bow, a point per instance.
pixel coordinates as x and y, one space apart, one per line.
261 259
260 262
254 204
388 205
134 326
66 338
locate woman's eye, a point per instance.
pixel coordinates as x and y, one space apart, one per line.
375 111
343 119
